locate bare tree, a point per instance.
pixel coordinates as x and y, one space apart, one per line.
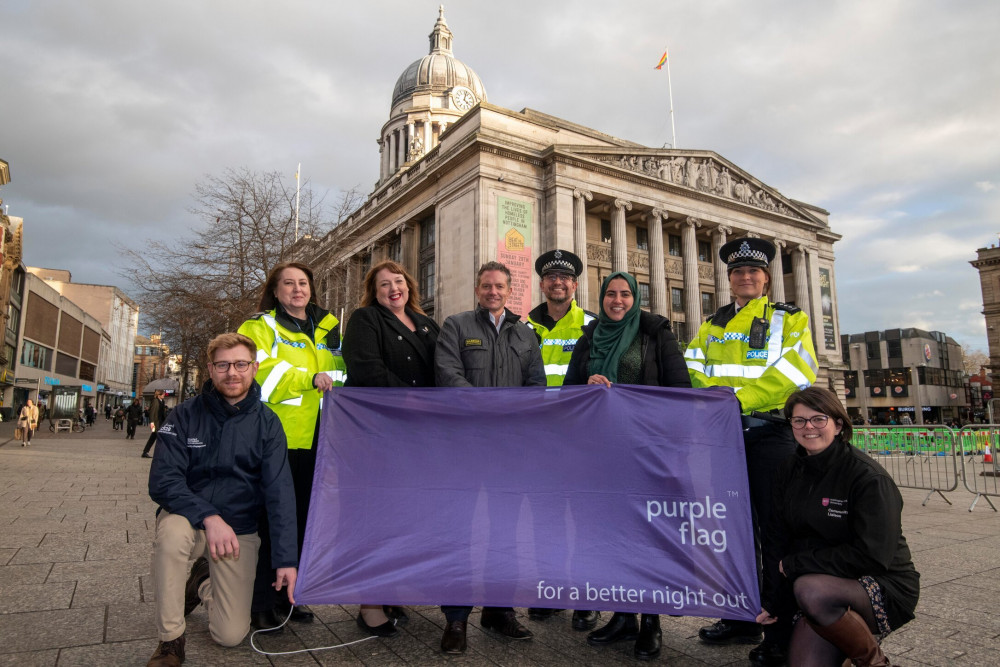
974 359
194 288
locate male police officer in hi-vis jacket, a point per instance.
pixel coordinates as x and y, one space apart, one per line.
558 322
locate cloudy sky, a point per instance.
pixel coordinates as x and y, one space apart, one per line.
886 113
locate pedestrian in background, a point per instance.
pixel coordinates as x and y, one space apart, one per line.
27 421
157 411
133 417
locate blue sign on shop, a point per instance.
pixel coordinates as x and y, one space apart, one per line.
87 387
49 380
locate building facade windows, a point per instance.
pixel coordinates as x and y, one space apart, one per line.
36 356
704 251
427 270
605 231
707 304
641 238
66 365
644 295
677 299
674 245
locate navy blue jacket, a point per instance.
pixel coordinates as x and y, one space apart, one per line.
215 458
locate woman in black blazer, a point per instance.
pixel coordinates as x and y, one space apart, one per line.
389 342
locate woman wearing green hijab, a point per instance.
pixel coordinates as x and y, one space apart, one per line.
627 345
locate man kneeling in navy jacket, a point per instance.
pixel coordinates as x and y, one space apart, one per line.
219 458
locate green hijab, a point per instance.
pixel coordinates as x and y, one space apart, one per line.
611 338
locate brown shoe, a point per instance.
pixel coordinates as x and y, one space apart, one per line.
168 654
453 640
199 573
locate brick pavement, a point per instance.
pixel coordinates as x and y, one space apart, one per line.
75 534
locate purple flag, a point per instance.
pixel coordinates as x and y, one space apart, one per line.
626 499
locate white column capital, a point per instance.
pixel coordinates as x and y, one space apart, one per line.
579 193
623 203
723 229
660 213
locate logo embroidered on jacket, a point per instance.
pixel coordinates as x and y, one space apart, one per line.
569 347
195 442
756 354
473 342
166 429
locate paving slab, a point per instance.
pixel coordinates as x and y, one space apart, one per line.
75 545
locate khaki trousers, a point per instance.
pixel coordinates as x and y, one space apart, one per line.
226 593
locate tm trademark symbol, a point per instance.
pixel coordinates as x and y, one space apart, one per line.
733 494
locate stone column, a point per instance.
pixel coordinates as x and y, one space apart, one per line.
800 277
722 296
777 273
408 248
427 136
619 249
692 288
657 276
580 199
383 156
393 154
410 127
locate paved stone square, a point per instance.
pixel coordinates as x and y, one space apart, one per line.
76 526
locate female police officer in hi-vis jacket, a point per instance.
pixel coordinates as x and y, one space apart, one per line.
764 351
298 349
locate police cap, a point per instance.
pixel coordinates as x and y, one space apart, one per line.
747 251
558 261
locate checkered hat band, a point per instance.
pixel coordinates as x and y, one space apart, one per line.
558 264
747 253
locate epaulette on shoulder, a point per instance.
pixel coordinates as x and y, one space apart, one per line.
787 307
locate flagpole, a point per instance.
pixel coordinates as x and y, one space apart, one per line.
670 92
299 169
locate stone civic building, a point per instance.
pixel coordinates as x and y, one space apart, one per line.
463 181
987 262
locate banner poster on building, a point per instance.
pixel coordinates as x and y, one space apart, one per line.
514 219
627 499
826 298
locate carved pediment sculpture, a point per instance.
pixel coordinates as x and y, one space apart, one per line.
705 174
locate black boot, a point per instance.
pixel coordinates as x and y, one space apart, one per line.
725 631
621 627
647 644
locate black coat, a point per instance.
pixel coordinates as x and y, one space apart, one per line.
134 412
381 352
838 513
662 362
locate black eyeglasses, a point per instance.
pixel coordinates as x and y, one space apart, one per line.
558 278
818 421
223 366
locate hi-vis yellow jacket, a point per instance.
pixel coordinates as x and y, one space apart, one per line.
720 355
558 342
288 361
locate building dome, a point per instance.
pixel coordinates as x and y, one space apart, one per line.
439 71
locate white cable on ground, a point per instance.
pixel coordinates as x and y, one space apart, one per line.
301 650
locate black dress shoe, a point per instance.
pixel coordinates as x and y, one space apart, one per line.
768 654
621 627
506 623
387 629
453 640
647 644
299 614
146 456
585 620
541 613
731 632
397 614
267 620
199 573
